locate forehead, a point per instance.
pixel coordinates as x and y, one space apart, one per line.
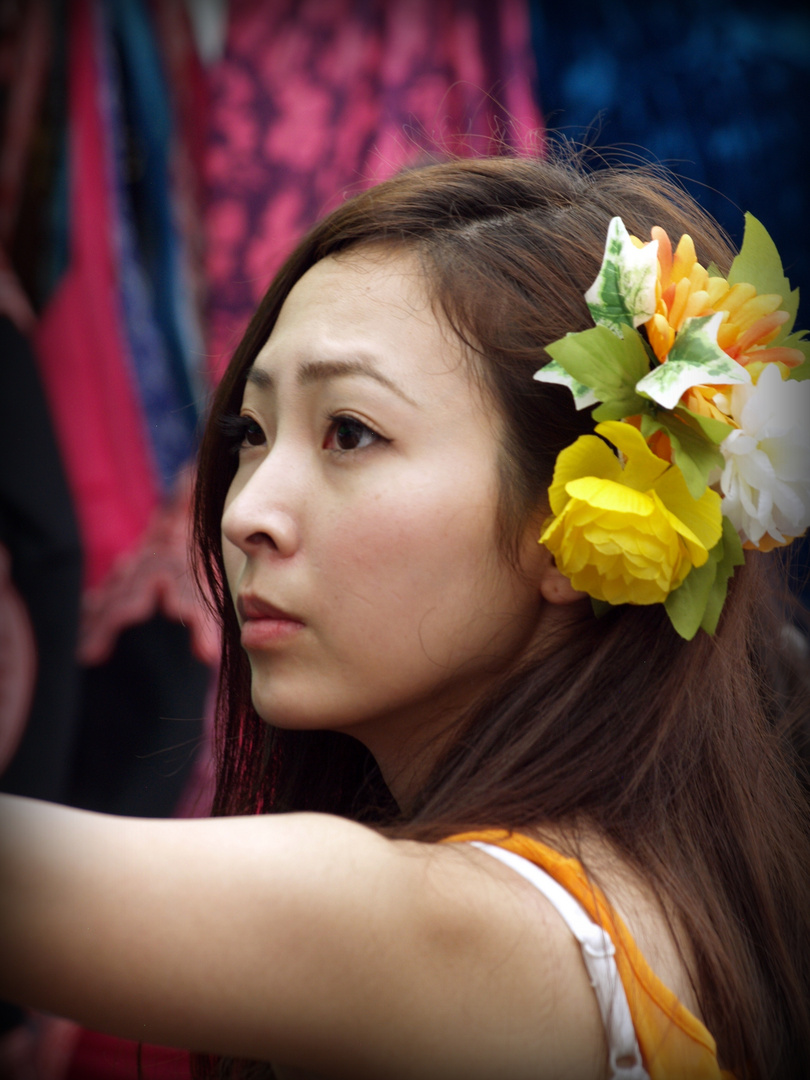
371 306
371 283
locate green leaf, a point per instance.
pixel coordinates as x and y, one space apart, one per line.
760 265
692 452
716 431
600 607
695 359
618 409
686 606
556 375
732 555
624 291
608 365
699 600
797 341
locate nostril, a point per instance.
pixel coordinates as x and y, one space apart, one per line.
258 538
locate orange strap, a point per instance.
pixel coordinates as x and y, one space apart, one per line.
673 1042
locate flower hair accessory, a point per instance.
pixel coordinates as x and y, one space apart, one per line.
698 383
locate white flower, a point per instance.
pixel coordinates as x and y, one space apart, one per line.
766 479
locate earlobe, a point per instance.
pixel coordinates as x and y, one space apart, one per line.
554 586
557 589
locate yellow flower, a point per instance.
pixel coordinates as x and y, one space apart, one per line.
685 290
627 534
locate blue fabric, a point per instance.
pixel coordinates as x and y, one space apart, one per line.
149 122
719 91
54 226
162 401
56 258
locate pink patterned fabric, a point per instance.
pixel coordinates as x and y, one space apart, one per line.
318 99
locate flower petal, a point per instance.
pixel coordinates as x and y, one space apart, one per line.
588 456
608 495
703 516
642 467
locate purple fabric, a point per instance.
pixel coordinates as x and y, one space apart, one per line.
316 100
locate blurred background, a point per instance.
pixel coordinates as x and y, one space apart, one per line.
158 160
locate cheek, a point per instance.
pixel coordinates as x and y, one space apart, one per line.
418 536
421 575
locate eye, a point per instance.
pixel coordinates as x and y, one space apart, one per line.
241 431
347 433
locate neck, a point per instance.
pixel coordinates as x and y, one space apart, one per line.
406 749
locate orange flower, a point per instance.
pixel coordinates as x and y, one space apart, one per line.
685 290
700 399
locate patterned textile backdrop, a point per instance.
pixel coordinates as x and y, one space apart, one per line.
312 101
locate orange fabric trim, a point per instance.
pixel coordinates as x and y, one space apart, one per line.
673 1042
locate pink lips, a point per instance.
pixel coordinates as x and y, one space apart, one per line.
263 624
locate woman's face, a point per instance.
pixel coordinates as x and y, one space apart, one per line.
359 531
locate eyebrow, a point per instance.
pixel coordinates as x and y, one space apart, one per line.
321 370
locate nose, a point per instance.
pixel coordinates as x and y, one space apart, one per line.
259 511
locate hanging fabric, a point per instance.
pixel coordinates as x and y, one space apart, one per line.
313 101
82 349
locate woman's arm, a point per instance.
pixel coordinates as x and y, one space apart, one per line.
304 939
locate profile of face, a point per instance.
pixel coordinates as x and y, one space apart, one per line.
360 529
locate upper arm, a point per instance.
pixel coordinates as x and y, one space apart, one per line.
304 938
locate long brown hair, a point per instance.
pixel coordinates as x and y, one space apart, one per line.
675 751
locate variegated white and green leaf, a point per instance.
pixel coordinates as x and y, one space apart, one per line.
556 375
623 293
695 359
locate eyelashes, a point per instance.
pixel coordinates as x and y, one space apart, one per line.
348 429
345 433
239 431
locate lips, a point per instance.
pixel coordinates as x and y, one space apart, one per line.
264 625
252 607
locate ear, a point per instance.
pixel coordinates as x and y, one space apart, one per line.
554 586
557 589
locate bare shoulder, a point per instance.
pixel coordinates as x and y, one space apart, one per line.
423 959
301 939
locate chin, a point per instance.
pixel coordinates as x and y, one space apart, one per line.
294 707
290 717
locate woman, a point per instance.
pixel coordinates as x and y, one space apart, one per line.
404 664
